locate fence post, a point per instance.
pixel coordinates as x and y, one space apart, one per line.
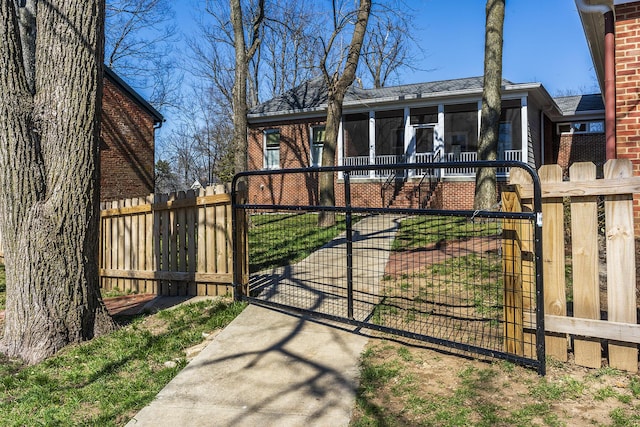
584 253
512 274
519 177
621 268
241 242
555 301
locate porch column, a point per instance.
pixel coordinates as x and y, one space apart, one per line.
340 148
409 148
524 119
438 139
372 142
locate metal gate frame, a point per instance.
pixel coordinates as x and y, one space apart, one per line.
240 206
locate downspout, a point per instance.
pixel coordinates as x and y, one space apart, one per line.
609 72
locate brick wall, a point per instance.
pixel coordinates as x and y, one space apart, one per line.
126 146
572 148
628 90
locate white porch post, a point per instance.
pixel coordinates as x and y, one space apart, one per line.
372 142
340 149
524 118
409 149
438 137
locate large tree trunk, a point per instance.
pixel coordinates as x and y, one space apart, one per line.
486 191
49 177
326 182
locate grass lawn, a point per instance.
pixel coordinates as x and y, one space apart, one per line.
277 240
105 381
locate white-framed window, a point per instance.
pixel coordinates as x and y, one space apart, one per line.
272 149
318 137
581 127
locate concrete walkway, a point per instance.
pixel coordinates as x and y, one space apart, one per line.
269 368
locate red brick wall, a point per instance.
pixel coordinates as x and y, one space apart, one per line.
572 148
628 90
126 146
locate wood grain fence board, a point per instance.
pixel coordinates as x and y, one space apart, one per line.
229 237
553 261
181 276
107 250
593 188
621 270
512 276
192 241
522 179
201 288
211 235
150 287
120 246
221 239
167 229
584 255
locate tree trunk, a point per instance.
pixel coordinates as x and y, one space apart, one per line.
49 178
242 58
337 86
326 183
486 191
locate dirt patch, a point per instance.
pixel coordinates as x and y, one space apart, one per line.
413 384
410 261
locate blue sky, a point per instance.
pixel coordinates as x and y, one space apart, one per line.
543 42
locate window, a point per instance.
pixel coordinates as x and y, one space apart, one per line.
461 128
318 137
389 133
356 135
581 127
510 137
272 149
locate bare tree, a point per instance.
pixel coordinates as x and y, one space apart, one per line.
388 46
140 35
50 97
486 192
338 71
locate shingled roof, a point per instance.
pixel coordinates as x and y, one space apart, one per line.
580 104
312 95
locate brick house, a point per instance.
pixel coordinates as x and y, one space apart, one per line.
426 122
612 30
126 141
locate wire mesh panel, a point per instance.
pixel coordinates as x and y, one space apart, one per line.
466 279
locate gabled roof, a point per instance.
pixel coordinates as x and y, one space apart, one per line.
157 117
311 96
580 104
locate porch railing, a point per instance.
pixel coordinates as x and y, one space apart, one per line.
465 156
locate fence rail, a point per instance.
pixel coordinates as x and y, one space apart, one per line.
170 244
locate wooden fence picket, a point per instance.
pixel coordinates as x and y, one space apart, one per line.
584 250
553 261
621 270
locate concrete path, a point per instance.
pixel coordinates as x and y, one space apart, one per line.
269 368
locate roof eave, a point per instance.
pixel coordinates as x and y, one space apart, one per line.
158 118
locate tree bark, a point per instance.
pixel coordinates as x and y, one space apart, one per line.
337 86
243 56
49 139
486 191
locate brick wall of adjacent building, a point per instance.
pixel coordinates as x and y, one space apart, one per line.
572 148
628 90
126 146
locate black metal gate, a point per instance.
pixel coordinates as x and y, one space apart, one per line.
395 260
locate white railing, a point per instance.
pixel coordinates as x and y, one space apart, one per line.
466 156
357 161
388 159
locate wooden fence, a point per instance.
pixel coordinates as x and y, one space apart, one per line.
176 244
600 316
